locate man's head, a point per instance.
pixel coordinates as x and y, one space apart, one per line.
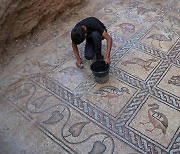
78 34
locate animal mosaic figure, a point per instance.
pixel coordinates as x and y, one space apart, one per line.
133 4
69 70
158 119
110 9
111 92
174 20
142 10
175 80
160 38
127 27
146 64
70 73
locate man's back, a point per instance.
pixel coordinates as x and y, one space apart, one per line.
92 24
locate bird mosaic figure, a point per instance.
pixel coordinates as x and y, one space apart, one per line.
111 92
158 119
69 74
175 80
160 38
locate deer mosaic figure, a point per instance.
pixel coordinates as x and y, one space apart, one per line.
160 38
142 10
174 20
146 64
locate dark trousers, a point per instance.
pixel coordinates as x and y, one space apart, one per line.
93 46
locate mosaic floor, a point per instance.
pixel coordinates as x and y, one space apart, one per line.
137 111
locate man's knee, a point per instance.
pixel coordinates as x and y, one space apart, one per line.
89 57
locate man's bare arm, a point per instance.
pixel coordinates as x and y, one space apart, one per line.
76 52
109 46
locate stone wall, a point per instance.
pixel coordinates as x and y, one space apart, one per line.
19 17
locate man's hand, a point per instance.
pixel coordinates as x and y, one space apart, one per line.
79 63
107 60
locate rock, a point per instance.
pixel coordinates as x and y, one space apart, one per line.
19 17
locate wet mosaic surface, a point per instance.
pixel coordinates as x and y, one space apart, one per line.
137 111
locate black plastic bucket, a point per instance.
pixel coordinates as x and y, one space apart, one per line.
100 71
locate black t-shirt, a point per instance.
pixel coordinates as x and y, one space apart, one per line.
92 24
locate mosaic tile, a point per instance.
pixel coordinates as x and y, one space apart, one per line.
55 118
68 73
171 81
144 10
109 96
115 46
135 62
154 121
125 28
106 13
172 20
160 40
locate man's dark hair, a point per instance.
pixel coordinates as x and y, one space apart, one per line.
78 35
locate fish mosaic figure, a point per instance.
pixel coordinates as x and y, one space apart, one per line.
127 27
174 20
142 10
